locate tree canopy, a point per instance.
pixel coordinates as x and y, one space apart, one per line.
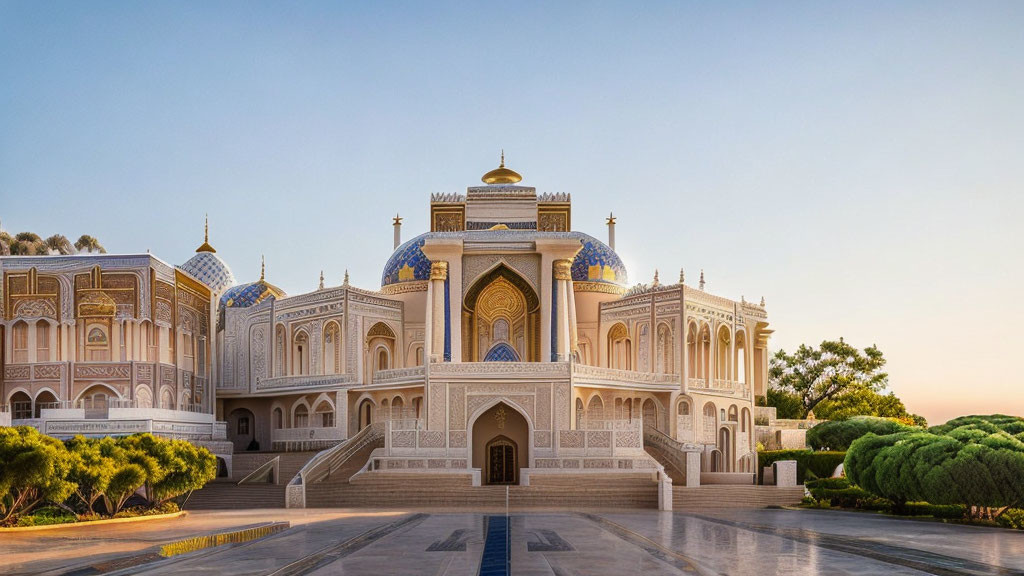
972 461
35 468
31 244
819 374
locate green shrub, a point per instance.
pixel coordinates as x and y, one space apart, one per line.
45 517
809 464
829 483
948 512
1012 518
967 465
839 434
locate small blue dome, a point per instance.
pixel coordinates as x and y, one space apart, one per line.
408 263
209 269
250 294
596 262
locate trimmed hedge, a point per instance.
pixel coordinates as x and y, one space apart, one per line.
810 465
839 434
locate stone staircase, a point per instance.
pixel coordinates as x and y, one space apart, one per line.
734 496
413 490
678 476
227 494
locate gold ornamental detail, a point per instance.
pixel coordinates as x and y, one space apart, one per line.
563 269
439 270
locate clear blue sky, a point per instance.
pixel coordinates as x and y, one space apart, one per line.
861 165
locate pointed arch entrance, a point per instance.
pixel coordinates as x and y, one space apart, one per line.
501 318
500 444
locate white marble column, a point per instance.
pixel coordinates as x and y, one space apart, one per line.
563 277
438 274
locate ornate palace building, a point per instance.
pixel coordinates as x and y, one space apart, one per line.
501 346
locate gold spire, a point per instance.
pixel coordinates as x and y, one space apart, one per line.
397 220
502 175
611 219
263 267
206 238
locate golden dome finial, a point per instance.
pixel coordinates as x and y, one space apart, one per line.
206 238
263 267
502 175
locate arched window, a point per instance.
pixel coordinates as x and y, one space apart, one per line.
416 403
380 343
21 406
301 416
278 419
683 409
166 399
745 420
722 346
740 357
43 341
693 358
300 354
710 423
620 349
143 397
733 414
595 408
332 348
20 343
579 413
324 415
666 350
397 407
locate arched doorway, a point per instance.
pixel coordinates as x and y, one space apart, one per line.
365 413
650 411
44 399
500 444
242 429
501 319
725 447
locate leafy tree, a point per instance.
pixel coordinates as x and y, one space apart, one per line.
33 468
839 434
91 470
865 402
5 243
150 454
819 374
187 467
787 404
87 243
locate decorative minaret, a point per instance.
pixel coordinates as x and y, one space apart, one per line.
611 230
346 277
682 276
321 280
656 282
701 278
263 267
398 230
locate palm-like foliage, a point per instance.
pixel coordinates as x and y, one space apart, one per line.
87 243
59 244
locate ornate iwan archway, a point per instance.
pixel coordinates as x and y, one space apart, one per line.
500 443
501 319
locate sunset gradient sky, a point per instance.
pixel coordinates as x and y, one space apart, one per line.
860 165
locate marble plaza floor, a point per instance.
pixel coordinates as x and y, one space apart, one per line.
707 542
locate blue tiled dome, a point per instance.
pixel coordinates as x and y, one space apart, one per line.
408 263
250 294
209 269
596 262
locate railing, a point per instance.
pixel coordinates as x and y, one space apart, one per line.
406 424
313 381
520 370
399 375
673 451
583 371
328 461
719 385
